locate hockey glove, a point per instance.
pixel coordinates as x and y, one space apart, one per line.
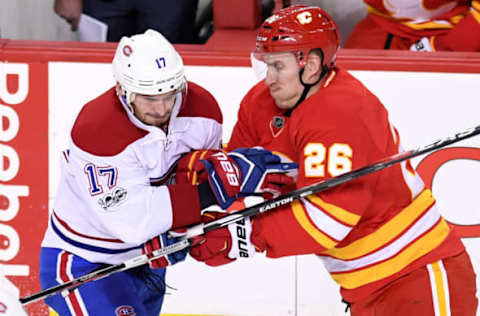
224 245
245 171
160 242
262 172
190 170
223 176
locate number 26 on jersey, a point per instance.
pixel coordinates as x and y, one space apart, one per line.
333 160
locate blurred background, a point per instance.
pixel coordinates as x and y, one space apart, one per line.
36 20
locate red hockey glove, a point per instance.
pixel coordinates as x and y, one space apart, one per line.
276 184
190 170
160 242
224 245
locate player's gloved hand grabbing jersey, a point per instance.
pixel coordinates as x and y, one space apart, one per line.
224 245
190 170
159 242
245 171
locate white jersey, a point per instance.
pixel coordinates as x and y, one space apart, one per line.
106 206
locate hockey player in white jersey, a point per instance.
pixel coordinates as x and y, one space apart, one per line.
116 198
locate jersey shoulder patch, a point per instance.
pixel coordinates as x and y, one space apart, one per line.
103 128
200 103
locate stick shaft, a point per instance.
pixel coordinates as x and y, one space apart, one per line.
104 272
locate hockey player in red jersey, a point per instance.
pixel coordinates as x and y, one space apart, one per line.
118 193
420 25
381 236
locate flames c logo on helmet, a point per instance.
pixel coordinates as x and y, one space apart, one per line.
304 17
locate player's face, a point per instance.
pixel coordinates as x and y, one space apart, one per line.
154 109
282 79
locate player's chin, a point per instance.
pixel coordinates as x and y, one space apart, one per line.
155 121
277 95
281 102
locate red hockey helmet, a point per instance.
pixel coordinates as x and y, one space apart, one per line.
299 29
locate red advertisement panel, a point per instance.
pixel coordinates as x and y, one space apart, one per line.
23 173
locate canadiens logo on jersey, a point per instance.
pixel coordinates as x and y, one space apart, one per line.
125 310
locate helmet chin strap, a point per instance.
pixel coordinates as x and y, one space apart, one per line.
306 88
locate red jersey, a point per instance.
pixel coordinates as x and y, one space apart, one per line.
368 231
415 19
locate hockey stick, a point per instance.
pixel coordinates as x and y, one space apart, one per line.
330 183
200 229
67 287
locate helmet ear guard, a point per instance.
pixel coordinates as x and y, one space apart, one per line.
147 64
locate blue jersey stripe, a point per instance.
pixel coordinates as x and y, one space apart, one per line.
89 247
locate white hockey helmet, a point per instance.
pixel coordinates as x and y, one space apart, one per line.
147 64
